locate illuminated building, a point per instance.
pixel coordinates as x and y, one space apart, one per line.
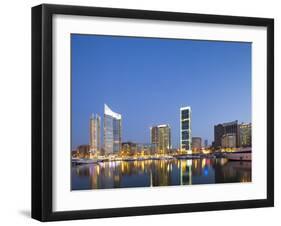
196 144
74 153
225 128
160 136
154 135
146 149
245 133
185 129
83 151
129 148
95 134
112 131
228 140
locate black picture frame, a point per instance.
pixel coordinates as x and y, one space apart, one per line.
42 107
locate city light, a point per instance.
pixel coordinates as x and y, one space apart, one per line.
229 137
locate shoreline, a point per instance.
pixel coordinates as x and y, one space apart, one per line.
128 159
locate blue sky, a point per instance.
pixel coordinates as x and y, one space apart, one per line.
147 80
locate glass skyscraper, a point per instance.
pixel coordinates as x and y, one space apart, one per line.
95 134
185 129
245 132
112 131
160 136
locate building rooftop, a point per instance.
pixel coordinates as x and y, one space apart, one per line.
108 111
185 107
163 125
228 123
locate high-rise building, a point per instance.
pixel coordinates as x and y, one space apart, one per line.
154 135
245 132
218 133
196 144
225 128
185 129
160 136
229 140
95 134
112 131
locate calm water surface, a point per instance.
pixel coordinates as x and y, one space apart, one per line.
148 173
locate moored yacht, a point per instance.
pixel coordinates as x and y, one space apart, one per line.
241 154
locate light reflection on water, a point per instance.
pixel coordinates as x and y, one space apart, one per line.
148 173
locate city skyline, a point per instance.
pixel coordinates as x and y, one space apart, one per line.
94 82
160 135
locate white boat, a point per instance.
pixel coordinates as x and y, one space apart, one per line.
84 161
242 154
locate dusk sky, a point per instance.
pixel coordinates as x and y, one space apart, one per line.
147 80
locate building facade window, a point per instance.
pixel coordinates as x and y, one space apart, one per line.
185 129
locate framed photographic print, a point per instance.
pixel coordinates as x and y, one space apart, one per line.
145 112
